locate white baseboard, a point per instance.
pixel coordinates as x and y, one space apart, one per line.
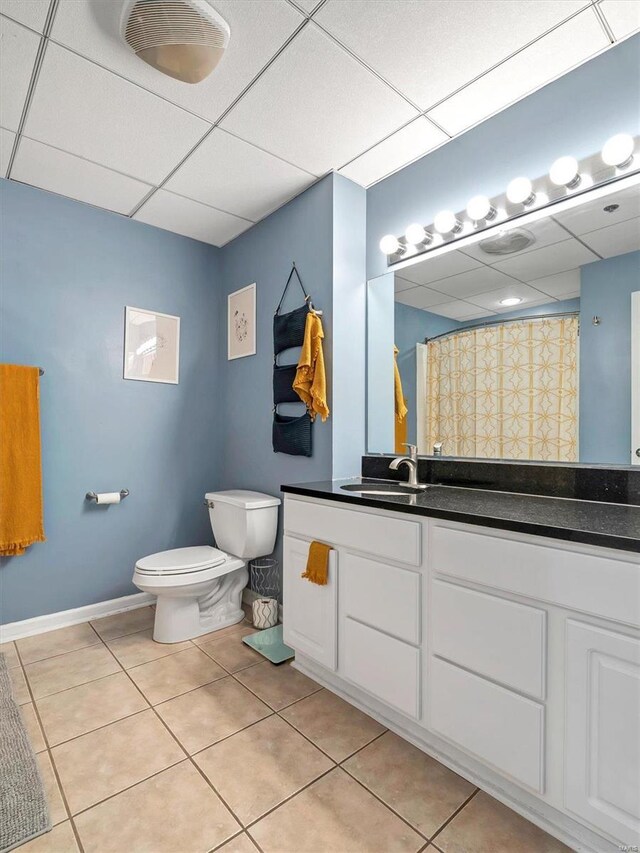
249 596
40 624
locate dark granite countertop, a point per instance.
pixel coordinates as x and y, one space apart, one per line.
593 523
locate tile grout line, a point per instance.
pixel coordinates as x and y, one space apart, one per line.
454 815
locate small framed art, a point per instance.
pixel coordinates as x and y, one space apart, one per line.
151 346
241 322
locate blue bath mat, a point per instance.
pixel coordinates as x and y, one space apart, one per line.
270 644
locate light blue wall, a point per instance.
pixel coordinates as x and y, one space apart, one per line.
574 115
605 358
67 271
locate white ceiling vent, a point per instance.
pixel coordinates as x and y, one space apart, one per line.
182 38
508 242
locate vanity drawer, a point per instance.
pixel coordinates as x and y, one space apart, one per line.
385 536
383 596
492 723
576 577
387 668
501 639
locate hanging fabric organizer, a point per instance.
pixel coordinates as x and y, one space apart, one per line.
291 434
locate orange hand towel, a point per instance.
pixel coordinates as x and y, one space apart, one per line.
400 406
310 383
317 570
21 522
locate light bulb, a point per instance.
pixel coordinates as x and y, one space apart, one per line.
511 300
564 172
480 207
618 151
446 223
416 234
520 191
389 244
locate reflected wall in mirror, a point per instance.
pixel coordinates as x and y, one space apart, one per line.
520 346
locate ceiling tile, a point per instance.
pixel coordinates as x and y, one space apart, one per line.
316 106
31 13
62 173
563 285
467 284
400 148
548 58
546 232
431 269
459 310
88 111
429 50
401 284
7 138
527 294
547 261
18 49
190 218
420 297
233 175
616 239
258 29
623 16
591 216
307 5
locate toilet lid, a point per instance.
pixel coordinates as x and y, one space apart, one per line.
181 560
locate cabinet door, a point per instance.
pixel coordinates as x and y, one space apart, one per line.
309 610
602 772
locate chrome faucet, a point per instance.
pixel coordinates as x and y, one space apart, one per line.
411 461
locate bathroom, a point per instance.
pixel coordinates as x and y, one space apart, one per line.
466 675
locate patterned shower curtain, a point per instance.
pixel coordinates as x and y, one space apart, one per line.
507 391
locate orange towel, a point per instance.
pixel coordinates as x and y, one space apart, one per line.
399 405
317 570
21 522
310 383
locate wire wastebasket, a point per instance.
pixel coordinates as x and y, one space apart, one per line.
265 577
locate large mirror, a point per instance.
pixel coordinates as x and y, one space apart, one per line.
520 346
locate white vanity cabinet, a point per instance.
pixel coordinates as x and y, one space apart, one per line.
512 658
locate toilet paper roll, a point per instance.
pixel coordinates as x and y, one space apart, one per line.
108 498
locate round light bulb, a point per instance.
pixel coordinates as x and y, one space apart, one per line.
389 244
480 207
520 191
446 223
564 172
618 151
415 234
511 300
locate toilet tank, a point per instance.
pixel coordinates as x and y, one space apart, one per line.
244 523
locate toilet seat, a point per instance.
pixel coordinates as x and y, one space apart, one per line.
181 561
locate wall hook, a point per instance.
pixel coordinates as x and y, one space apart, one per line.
596 320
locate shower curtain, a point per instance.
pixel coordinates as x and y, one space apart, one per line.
507 391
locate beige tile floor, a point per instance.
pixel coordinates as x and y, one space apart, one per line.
202 746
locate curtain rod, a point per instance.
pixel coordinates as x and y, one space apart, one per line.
41 371
502 322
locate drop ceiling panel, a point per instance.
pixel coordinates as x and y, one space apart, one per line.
190 218
18 49
88 111
623 16
546 232
432 269
562 285
233 175
400 284
429 50
467 284
316 106
592 216
307 5
400 148
550 57
7 138
547 261
459 310
258 29
616 239
527 294
420 297
62 173
31 13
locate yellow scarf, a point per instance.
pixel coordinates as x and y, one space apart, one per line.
310 383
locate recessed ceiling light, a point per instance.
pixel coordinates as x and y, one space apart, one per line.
511 300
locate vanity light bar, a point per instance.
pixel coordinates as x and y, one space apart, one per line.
564 176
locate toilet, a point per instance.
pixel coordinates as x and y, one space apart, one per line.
199 589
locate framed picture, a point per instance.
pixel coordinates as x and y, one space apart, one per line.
241 322
151 346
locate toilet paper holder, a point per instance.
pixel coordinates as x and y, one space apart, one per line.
92 496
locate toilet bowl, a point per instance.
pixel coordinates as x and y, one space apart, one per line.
199 589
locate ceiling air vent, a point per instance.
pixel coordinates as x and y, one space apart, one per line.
508 242
182 38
